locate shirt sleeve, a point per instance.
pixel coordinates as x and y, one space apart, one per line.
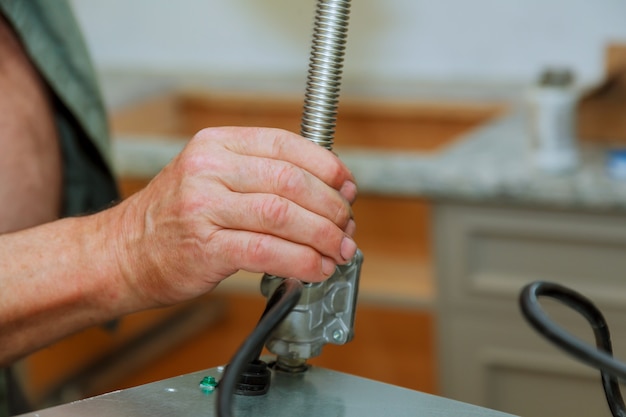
53 40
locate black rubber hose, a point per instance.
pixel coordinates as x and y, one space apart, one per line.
600 357
282 301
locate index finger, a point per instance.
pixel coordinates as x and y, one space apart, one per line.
284 145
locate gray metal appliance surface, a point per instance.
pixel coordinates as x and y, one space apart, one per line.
317 392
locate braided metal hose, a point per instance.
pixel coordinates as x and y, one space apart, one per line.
325 69
326 310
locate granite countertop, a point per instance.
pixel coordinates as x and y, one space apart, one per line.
492 163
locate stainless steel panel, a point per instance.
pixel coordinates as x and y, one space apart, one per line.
315 393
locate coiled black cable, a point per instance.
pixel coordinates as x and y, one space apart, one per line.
600 357
282 301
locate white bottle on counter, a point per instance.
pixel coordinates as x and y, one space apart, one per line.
552 106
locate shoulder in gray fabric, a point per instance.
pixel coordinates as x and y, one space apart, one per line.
53 39
51 36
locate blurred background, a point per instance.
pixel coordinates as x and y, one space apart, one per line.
472 183
395 41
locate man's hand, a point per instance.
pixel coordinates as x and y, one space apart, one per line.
262 200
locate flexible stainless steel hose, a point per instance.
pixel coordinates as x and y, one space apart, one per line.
319 117
325 313
325 70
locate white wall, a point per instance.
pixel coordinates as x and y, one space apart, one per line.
389 40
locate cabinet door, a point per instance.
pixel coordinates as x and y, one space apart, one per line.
488 354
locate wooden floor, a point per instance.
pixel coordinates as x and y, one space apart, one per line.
390 345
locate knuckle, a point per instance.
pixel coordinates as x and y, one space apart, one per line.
194 162
210 133
324 236
289 179
189 205
311 266
308 266
205 133
342 215
274 212
336 171
278 143
259 249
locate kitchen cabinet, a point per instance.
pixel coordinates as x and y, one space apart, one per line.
488 354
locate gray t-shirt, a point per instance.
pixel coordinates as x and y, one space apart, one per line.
52 38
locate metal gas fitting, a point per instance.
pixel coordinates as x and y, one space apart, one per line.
324 314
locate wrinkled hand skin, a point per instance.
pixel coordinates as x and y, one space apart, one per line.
257 199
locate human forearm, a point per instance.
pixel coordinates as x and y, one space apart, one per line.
56 279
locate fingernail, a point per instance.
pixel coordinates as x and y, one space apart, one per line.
350 228
348 191
348 248
328 266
